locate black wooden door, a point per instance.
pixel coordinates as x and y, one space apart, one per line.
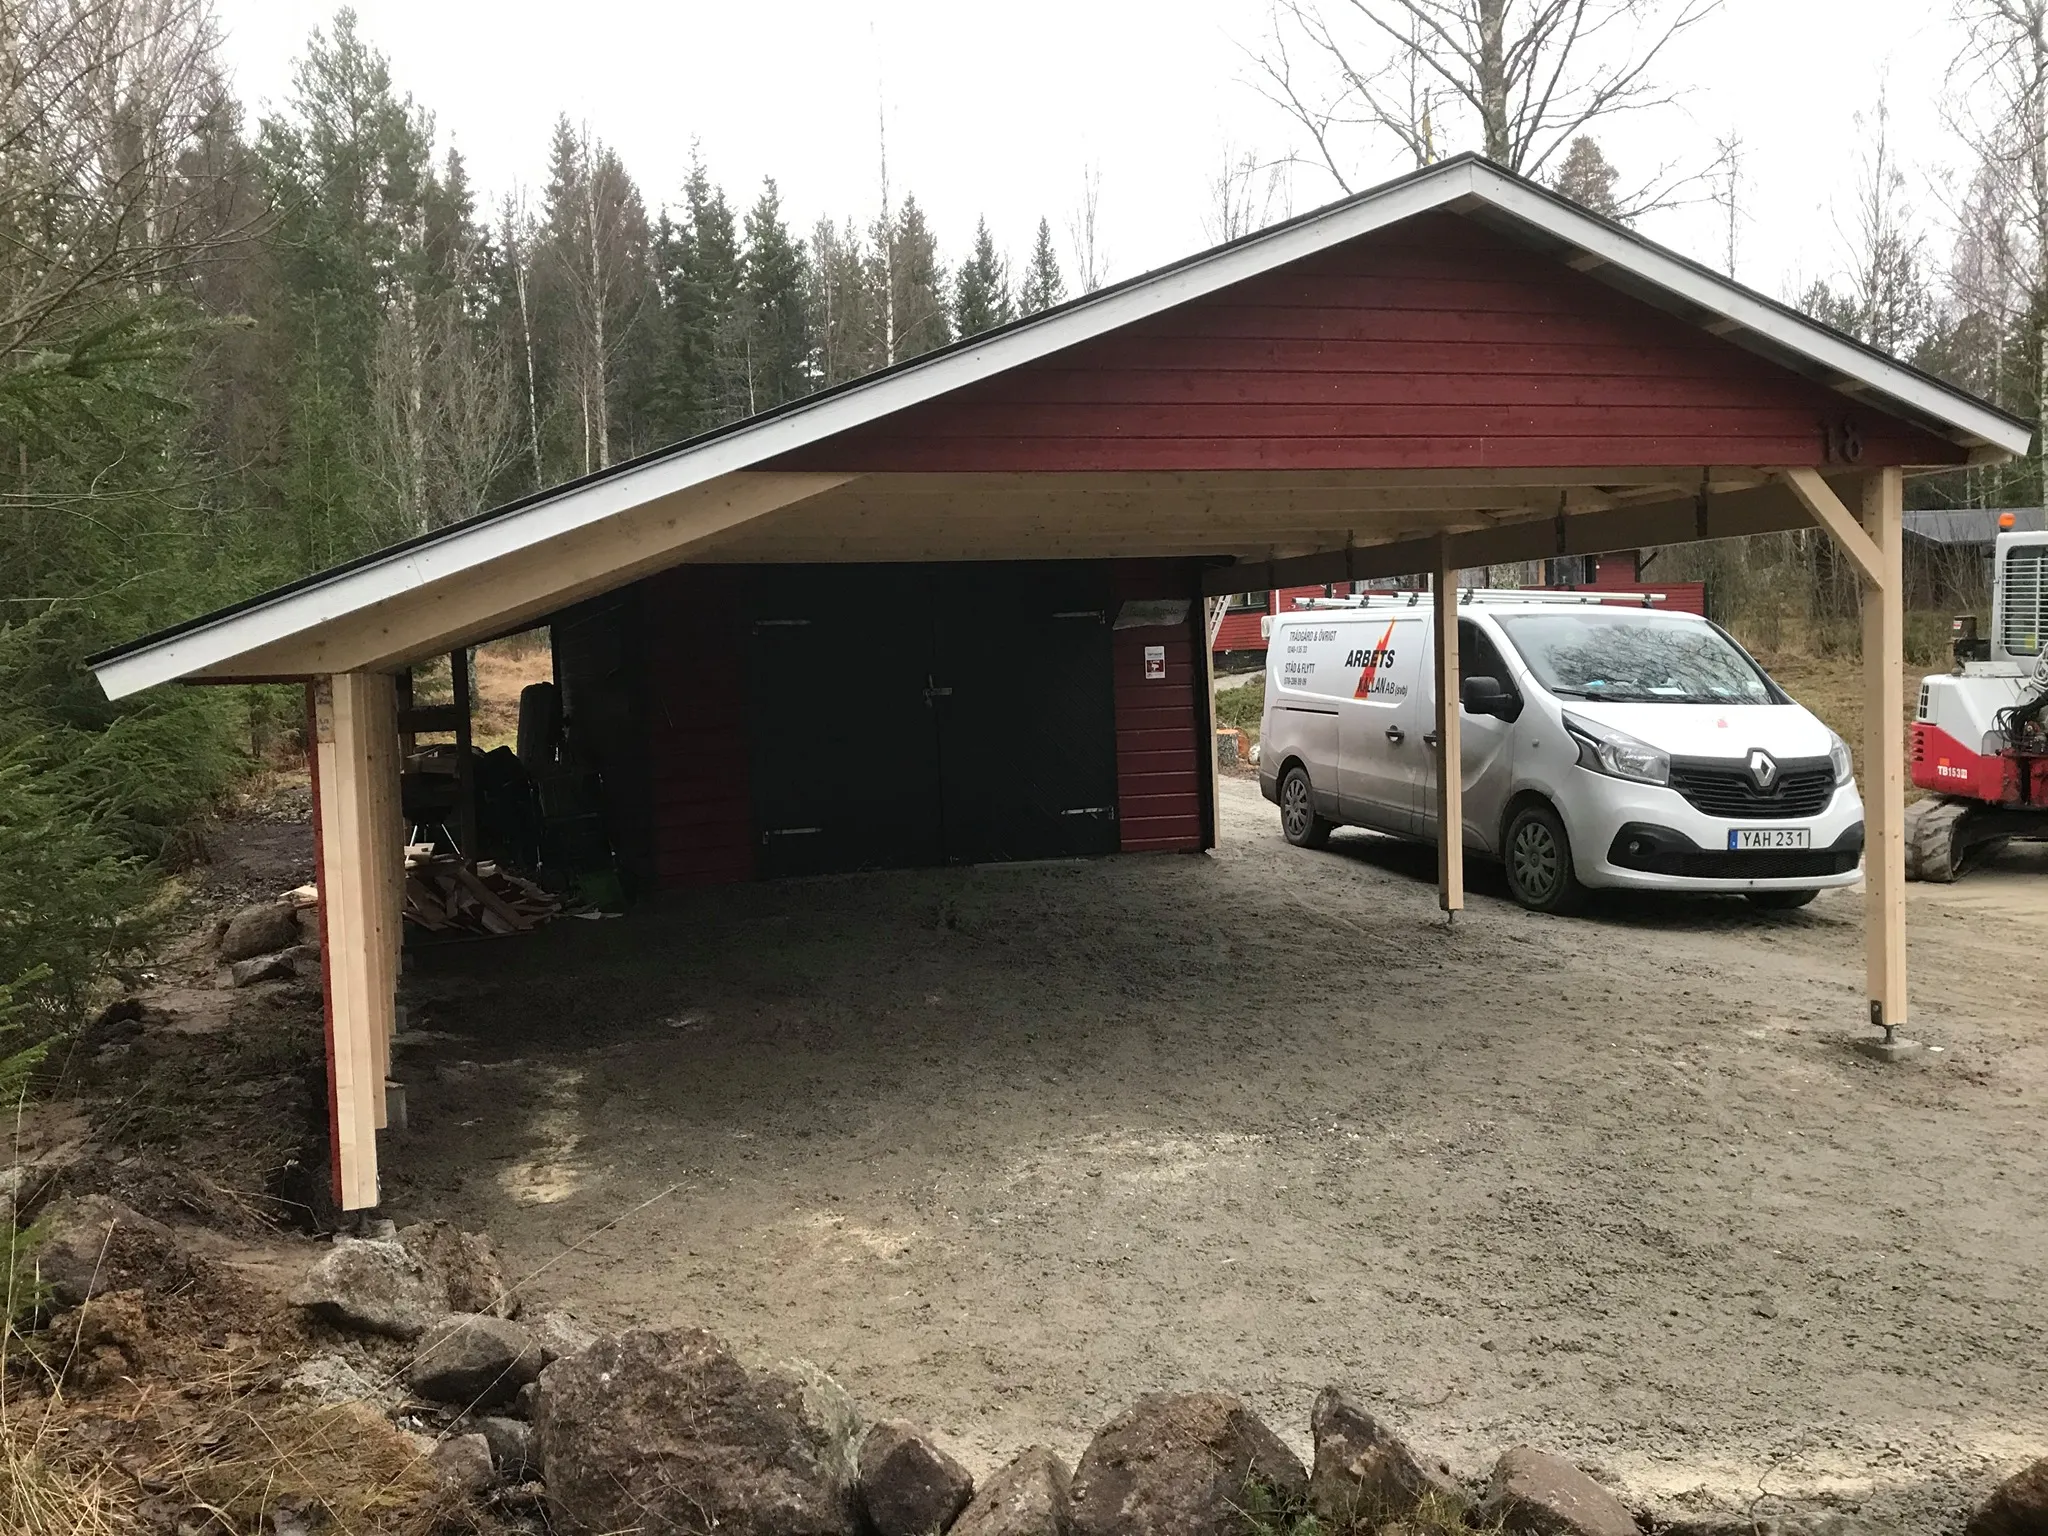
1027 716
844 761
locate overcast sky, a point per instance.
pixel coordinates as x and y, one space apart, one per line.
999 110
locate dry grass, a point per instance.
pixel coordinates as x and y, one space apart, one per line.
501 670
182 1422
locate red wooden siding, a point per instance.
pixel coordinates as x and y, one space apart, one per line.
1435 344
697 733
1161 769
1242 631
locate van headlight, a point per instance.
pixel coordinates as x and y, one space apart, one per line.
1617 754
1845 766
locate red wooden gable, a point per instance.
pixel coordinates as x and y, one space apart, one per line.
1435 343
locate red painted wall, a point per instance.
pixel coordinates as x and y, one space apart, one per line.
1161 756
697 726
1433 344
1679 596
1242 631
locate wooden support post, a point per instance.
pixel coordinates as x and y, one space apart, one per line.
1884 752
465 768
354 759
1205 636
1450 756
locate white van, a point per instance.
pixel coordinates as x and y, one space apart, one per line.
1604 745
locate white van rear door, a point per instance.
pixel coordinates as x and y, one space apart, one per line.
1380 755
1301 705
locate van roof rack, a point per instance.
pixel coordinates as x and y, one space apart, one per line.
1416 599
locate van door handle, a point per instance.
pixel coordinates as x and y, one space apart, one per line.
1396 735
1430 741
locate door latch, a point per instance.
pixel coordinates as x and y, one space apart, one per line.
1396 735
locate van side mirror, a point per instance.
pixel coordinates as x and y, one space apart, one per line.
1486 696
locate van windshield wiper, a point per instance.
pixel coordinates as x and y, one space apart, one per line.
1618 696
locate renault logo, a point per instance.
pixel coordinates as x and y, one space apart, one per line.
1763 768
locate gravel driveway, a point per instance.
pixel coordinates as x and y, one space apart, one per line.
1004 1147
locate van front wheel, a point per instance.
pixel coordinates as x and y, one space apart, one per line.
1299 823
1539 862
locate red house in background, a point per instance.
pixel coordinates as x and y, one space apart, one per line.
1239 638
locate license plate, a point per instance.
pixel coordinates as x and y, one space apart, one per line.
1767 839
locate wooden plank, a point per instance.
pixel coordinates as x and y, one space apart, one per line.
350 746
1768 508
1450 758
489 899
1387 387
426 719
465 765
1884 751
1453 443
519 588
1698 358
1590 427
974 484
1819 498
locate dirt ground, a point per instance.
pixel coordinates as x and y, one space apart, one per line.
1004 1147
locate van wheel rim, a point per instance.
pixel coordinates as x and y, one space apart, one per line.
1535 857
1294 814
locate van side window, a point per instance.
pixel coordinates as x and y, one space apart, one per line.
1479 657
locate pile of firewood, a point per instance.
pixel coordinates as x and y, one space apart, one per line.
444 895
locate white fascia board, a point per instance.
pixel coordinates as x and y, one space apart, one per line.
211 646
1718 296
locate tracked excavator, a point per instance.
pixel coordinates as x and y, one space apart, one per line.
1980 735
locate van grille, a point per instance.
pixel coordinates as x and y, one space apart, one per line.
1723 787
1712 864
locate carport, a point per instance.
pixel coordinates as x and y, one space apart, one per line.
1454 370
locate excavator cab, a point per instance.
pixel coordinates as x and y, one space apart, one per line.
1980 737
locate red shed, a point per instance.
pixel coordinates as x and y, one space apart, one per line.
955 610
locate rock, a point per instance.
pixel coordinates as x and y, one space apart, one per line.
526 1401
281 966
116 1024
474 1360
1029 1497
512 1448
665 1429
910 1486
559 1334
1534 1493
467 1264
1181 1464
263 929
373 1286
463 1463
1365 1472
118 1319
102 1340
96 1244
330 1380
2017 1507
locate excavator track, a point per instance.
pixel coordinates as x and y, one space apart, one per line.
1934 839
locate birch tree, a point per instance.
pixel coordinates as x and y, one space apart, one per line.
1517 80
1999 107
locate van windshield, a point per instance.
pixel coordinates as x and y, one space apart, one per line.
1637 657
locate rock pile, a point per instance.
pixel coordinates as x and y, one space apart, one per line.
668 1430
